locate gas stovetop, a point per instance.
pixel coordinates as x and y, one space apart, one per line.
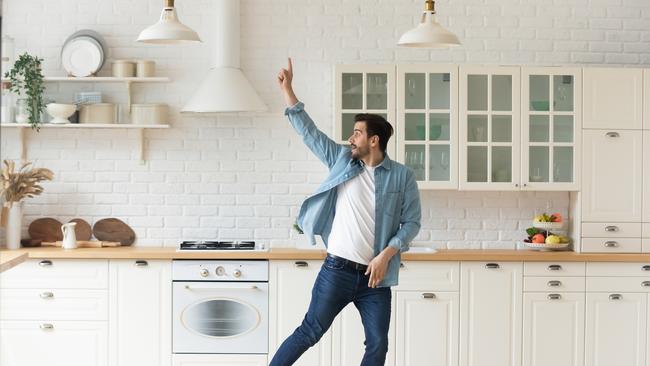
217 245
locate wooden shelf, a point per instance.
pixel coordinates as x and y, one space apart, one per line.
103 79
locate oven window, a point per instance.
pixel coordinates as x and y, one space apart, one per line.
220 318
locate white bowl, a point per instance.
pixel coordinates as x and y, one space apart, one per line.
60 112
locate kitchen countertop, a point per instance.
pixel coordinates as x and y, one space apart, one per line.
9 258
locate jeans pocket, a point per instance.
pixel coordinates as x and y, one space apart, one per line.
333 263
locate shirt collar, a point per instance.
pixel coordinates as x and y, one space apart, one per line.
386 163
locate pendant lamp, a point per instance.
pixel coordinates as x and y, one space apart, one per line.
429 33
168 30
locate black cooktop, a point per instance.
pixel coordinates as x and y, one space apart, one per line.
217 245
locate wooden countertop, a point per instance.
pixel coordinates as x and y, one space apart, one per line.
9 258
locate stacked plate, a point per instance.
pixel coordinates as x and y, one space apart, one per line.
83 53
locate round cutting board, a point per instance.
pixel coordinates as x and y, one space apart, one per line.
45 229
82 230
113 229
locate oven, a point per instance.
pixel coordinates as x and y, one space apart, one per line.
220 306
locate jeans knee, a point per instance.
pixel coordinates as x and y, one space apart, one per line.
377 344
310 332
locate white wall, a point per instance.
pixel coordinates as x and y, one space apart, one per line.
245 176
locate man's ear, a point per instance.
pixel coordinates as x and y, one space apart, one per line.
374 139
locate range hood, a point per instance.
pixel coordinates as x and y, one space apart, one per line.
225 88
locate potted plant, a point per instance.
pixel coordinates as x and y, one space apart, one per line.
14 186
26 79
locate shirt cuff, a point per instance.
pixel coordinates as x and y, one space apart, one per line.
396 243
298 107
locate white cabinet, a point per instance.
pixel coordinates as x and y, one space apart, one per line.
613 98
219 360
490 314
140 312
646 177
53 343
489 134
550 128
290 284
427 328
646 99
427 123
363 89
611 182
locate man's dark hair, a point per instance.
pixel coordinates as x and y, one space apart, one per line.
376 125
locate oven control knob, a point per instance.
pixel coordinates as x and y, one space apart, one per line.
220 271
204 272
236 273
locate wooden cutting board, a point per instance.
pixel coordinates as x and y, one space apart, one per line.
113 229
82 230
45 229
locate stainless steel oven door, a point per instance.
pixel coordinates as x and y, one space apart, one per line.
220 317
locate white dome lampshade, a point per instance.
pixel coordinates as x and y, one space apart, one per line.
429 33
168 30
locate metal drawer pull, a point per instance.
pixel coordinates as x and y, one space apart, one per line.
301 264
401 265
141 263
611 228
45 263
492 265
47 326
212 288
554 267
554 296
646 267
645 283
554 283
47 295
611 244
615 296
612 134
428 295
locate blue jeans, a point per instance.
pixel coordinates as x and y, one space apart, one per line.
335 287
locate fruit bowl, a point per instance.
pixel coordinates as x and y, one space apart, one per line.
548 225
547 247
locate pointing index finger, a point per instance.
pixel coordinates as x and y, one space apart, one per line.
290 65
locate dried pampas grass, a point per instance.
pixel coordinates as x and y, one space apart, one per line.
22 183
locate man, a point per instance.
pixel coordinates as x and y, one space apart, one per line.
367 211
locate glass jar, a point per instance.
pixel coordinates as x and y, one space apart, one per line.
22 112
7 110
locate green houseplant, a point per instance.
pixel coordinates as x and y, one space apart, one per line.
27 82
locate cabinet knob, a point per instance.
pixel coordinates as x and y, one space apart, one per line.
300 264
401 265
492 266
141 263
428 295
45 263
612 134
645 283
611 244
554 284
554 296
47 326
46 295
554 267
615 297
611 228
516 184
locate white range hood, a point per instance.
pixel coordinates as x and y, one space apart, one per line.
225 88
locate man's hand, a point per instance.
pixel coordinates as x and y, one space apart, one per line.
378 265
285 77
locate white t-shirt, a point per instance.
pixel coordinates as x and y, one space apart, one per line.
353 229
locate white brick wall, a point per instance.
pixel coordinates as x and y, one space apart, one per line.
244 176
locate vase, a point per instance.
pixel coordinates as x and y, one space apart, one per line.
22 110
14 225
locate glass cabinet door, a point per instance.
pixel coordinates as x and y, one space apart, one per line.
363 89
550 128
427 123
489 128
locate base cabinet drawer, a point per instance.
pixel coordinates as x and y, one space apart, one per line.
554 268
554 284
618 284
53 304
57 273
614 269
422 276
611 229
611 245
219 360
56 343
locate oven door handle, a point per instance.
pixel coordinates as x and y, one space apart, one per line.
211 288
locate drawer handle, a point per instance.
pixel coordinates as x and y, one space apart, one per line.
554 283
611 228
492 266
554 267
46 295
646 267
645 283
611 244
612 134
141 263
47 326
615 297
301 264
45 263
401 265
554 296
428 295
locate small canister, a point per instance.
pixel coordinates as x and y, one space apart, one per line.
149 113
145 68
123 68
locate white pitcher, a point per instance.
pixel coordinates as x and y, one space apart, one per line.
69 236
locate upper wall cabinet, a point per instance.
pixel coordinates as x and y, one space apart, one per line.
613 98
363 89
427 123
489 128
550 128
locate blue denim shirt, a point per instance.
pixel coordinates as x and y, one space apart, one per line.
397 199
